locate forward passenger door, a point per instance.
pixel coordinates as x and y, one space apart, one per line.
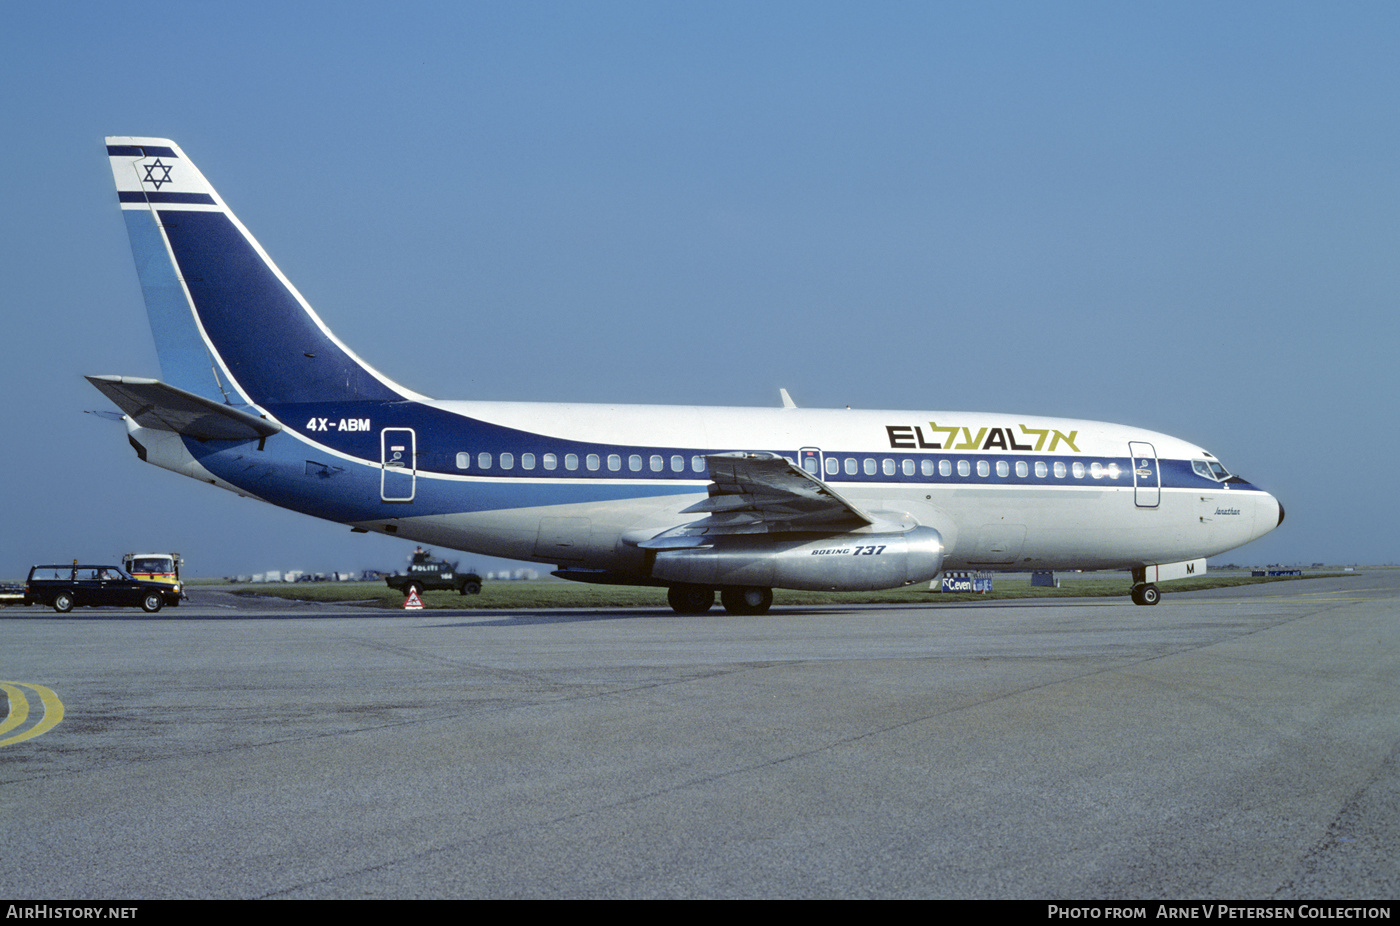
1147 476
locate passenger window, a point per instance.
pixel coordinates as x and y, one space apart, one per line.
656 463
926 467
1096 470
614 462
833 466
983 469
1078 469
634 463
1059 470
507 461
464 461
592 461
551 461
964 468
677 463
483 460
907 467
527 461
571 461
1041 470
887 466
945 468
1022 470
1003 468
869 466
1113 471
851 466
697 463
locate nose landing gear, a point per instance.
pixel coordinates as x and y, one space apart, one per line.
1146 593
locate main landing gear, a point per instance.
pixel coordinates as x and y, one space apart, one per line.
697 599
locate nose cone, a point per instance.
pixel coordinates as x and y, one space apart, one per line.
1268 511
1269 515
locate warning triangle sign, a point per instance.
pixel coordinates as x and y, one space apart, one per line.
413 602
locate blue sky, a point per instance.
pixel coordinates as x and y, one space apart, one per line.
1181 216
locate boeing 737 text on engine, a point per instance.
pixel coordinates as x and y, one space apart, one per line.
257 396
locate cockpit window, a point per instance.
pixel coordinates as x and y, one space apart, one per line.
1210 469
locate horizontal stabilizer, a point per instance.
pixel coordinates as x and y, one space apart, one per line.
153 404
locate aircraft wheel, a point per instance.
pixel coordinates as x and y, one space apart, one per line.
63 602
690 599
152 602
1146 594
751 600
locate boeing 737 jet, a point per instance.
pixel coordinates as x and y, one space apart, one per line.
257 396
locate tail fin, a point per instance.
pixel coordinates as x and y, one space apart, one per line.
228 325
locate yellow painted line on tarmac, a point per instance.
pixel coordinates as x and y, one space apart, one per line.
19 712
19 708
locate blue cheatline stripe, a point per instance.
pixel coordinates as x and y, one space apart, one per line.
446 440
294 475
136 196
273 348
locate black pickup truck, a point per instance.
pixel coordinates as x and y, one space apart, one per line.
425 573
64 588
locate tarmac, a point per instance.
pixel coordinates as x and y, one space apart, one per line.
1233 744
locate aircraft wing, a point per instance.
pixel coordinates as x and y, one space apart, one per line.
153 404
756 493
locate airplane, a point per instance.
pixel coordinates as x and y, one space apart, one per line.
259 397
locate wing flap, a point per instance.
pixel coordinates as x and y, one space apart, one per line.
754 493
153 404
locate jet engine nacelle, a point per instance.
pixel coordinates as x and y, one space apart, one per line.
841 562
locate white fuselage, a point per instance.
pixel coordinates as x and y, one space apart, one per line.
981 487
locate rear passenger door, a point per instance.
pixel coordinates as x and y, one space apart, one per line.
87 588
398 476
